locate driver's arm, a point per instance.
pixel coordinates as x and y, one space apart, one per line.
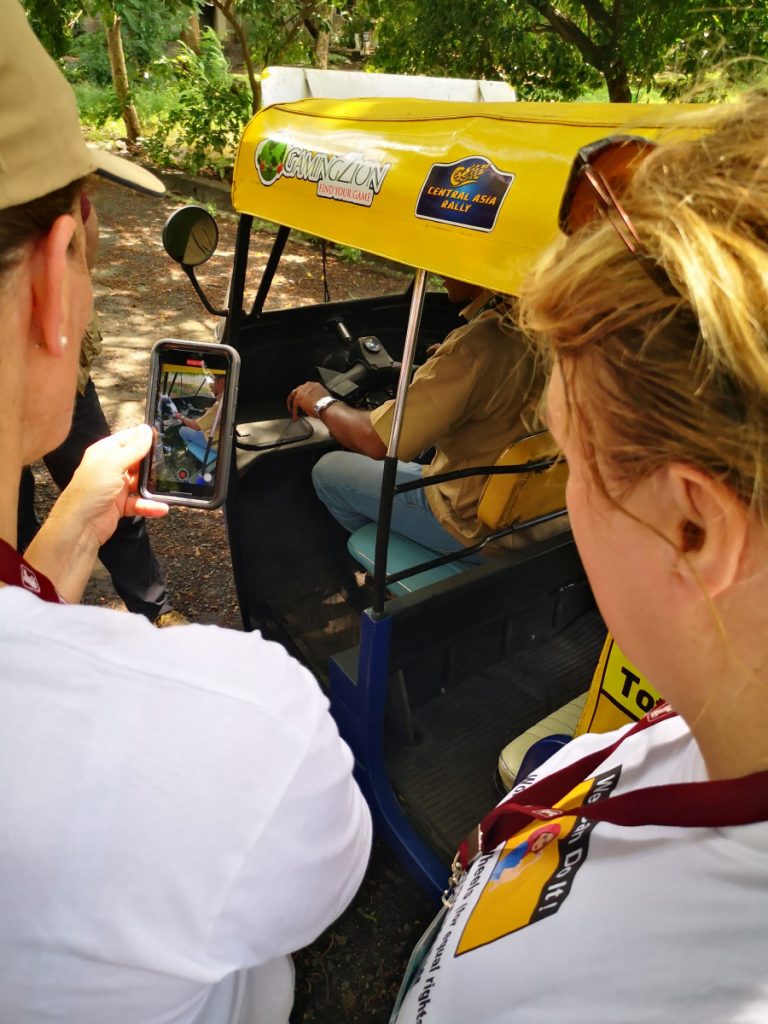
350 427
186 421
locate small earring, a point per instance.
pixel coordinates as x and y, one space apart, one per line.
64 341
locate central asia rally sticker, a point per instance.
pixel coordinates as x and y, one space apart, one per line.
347 177
468 193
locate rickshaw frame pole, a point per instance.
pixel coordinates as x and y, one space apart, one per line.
389 475
237 284
269 271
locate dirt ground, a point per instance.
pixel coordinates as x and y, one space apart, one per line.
352 972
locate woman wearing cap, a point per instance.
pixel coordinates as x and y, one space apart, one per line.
178 811
652 903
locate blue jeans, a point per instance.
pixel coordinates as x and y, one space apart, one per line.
349 485
195 436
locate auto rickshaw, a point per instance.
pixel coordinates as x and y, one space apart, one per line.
450 660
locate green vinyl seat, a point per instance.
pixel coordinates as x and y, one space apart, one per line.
402 553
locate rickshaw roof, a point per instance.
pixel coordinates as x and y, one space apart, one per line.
465 190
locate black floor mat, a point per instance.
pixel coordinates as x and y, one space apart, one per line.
446 781
320 629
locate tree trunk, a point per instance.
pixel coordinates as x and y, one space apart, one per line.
618 83
241 32
614 71
322 45
120 75
190 34
322 21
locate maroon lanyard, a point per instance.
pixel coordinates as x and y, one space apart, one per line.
15 571
687 804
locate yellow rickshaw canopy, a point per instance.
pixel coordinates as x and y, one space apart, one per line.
465 190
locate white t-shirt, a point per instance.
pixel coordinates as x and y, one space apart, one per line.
606 924
175 805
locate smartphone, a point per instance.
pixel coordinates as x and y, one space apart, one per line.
191 406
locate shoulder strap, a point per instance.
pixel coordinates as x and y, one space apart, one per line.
17 572
716 804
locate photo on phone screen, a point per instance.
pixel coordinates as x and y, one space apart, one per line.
191 407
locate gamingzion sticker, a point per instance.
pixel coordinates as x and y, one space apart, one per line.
347 177
467 192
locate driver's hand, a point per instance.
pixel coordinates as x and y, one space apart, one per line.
303 398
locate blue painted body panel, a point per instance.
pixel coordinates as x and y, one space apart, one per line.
358 707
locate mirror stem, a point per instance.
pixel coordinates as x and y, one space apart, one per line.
190 272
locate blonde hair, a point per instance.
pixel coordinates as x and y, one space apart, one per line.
666 379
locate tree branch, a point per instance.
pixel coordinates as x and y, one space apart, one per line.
598 13
605 57
618 13
225 6
569 32
298 23
312 29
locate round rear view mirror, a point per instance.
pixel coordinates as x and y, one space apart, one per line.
190 236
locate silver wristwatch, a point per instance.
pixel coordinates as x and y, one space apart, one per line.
323 403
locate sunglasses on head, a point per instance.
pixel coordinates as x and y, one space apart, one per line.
600 173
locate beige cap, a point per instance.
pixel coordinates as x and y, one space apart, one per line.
41 145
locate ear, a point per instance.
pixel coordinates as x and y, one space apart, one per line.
710 527
50 292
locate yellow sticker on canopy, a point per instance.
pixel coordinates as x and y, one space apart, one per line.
347 178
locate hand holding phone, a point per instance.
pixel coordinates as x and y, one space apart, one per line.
191 406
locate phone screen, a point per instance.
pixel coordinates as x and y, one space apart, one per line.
190 408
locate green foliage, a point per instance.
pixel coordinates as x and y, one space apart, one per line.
485 39
204 126
53 22
146 30
358 17
348 254
724 49
88 61
276 31
99 107
552 50
148 26
97 104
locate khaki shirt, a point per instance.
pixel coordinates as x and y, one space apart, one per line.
205 422
470 400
